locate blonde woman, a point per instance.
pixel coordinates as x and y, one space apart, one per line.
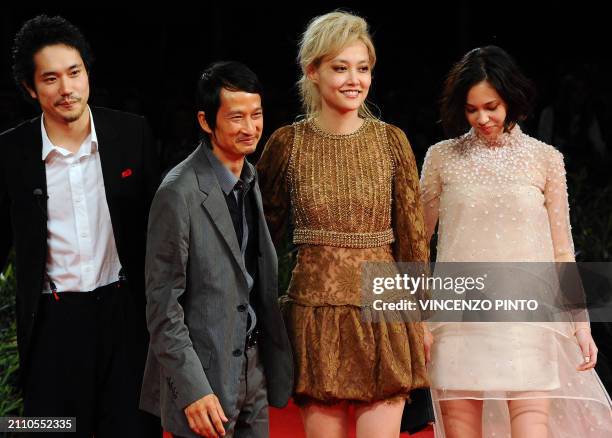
350 182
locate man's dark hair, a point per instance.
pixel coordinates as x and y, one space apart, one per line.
38 33
491 64
231 75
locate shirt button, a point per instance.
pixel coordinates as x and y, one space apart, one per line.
241 308
237 353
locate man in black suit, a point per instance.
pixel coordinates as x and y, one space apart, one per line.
76 185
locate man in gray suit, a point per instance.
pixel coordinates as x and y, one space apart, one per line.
219 352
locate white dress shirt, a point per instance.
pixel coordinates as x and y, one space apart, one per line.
82 254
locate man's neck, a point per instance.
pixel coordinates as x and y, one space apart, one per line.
233 163
69 135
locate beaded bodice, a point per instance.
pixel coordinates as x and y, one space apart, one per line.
341 186
505 201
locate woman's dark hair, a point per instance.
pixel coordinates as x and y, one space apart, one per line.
491 64
38 33
231 75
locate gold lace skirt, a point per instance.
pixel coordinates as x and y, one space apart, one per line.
338 354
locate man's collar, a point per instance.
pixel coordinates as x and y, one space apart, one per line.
48 146
227 180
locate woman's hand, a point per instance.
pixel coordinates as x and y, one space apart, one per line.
588 347
428 340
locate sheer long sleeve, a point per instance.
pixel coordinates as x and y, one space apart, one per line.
431 188
272 172
411 243
557 206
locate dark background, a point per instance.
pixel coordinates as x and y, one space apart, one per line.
148 60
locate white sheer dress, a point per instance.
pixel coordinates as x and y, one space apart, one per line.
507 202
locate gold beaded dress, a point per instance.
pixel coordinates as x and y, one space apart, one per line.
353 198
507 202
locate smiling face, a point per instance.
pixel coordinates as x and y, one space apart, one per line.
485 110
344 80
61 83
239 124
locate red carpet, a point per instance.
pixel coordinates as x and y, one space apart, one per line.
287 423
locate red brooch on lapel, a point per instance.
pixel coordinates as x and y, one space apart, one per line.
126 173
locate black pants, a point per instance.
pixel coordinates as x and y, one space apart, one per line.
87 361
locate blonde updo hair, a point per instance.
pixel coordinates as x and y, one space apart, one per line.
325 37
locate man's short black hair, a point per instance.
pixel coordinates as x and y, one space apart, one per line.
38 33
231 75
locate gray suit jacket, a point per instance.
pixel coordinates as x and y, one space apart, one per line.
196 291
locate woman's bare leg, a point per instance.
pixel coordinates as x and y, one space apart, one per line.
529 418
381 419
323 421
462 418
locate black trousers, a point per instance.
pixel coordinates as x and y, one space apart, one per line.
87 361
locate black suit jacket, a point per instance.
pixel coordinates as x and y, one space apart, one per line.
130 167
